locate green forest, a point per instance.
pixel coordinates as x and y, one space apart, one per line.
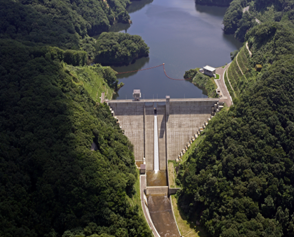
51 182
238 181
64 24
119 48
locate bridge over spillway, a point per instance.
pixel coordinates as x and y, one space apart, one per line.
176 122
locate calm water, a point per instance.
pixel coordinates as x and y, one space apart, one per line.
183 36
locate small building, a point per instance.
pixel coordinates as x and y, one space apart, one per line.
258 67
137 94
209 71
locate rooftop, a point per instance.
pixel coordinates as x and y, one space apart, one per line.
209 68
136 91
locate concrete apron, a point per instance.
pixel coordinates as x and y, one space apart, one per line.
162 215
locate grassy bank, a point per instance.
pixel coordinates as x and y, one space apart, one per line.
172 175
92 78
231 91
136 200
187 229
206 83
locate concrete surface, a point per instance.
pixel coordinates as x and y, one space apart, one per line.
226 98
162 216
145 208
149 136
131 120
161 136
184 121
157 190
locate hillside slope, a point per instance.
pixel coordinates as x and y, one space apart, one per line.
52 184
239 180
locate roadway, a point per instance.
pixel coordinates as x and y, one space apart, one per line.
222 86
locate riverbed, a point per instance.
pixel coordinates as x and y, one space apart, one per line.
180 34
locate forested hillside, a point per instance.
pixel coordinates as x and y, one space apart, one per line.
119 48
51 182
244 14
67 25
238 181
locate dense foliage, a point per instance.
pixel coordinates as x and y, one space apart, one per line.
239 180
244 14
51 182
232 17
190 74
241 176
202 81
65 24
119 48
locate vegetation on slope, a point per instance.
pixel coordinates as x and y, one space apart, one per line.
238 21
95 79
202 81
64 24
241 176
119 48
239 180
51 182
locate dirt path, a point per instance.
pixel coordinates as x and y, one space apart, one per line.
246 9
248 49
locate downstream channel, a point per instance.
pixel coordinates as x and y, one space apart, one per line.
180 34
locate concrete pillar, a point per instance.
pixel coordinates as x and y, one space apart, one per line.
167 106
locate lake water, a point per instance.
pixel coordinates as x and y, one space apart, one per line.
180 34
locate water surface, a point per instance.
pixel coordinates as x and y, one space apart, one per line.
183 36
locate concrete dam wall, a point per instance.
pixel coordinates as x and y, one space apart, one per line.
177 121
159 131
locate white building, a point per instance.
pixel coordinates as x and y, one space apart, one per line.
209 71
137 94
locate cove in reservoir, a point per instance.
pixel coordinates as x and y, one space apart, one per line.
180 34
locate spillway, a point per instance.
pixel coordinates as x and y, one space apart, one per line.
156 158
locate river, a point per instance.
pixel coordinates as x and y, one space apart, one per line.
180 34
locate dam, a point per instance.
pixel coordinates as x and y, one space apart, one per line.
160 130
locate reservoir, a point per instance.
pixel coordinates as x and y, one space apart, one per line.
180 34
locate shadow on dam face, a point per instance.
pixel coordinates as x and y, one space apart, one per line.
162 215
156 178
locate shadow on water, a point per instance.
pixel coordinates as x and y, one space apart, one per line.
156 179
138 5
211 10
231 39
137 65
120 27
162 215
